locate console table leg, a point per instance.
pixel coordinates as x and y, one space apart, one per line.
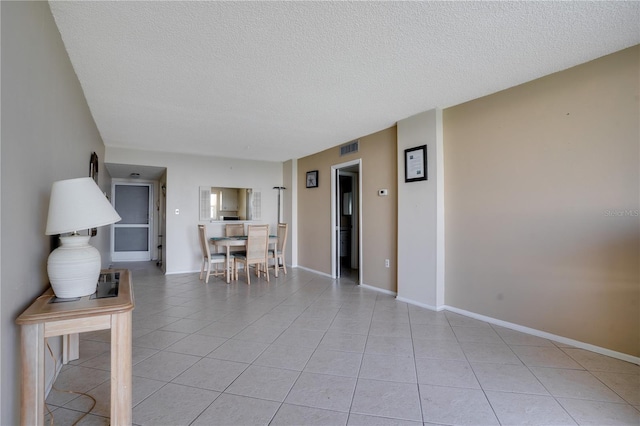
32 348
70 347
121 382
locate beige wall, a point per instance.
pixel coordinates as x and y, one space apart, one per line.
542 198
379 214
48 134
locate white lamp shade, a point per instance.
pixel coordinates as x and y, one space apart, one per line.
78 204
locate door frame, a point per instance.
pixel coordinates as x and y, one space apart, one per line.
335 203
120 256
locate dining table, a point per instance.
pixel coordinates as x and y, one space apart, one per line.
235 241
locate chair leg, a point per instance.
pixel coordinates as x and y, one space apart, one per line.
266 269
284 265
208 273
202 269
275 265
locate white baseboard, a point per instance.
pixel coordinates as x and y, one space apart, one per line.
545 335
314 271
422 305
379 290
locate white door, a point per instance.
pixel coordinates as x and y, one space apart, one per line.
131 237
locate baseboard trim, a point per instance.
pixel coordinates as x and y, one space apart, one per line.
582 345
182 272
421 305
380 290
314 271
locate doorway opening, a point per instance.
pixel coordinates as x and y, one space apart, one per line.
132 236
346 220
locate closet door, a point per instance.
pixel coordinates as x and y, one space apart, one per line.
131 239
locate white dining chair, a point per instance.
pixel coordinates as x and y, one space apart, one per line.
234 229
256 254
208 258
278 253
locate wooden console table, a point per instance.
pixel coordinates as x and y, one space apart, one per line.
45 319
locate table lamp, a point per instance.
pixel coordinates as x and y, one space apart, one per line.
76 204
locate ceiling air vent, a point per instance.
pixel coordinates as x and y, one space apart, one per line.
349 148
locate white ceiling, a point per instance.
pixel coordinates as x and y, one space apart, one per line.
281 80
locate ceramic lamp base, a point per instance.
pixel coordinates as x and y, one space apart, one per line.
74 267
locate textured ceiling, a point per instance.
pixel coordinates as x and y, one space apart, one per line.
281 80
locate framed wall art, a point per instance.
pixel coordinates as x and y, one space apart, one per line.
93 167
93 174
415 164
312 179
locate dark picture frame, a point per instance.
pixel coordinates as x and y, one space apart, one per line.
93 174
415 164
312 179
93 167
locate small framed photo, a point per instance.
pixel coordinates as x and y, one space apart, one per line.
93 174
415 164
312 179
93 167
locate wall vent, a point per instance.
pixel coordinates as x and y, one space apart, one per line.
349 148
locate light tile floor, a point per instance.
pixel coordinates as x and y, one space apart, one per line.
306 350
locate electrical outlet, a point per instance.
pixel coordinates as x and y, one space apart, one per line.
386 263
